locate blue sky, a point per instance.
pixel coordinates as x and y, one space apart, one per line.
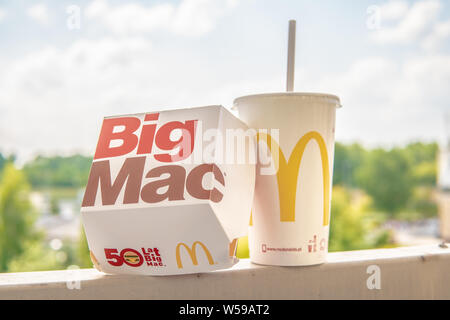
389 61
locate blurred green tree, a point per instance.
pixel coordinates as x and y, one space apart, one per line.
83 257
38 257
347 158
423 159
16 215
58 171
4 160
386 176
242 250
354 225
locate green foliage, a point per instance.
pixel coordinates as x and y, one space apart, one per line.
420 152
38 257
398 180
54 205
242 251
2 161
423 202
425 174
16 215
22 248
57 194
58 171
354 225
347 160
421 206
83 257
423 158
386 176
5 160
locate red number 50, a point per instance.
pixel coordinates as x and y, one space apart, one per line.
116 259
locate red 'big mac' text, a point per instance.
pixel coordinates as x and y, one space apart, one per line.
131 174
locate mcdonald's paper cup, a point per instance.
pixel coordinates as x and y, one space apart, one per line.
160 199
290 218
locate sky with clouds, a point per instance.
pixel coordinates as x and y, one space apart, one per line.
388 61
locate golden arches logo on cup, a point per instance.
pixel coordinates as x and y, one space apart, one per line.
192 251
288 172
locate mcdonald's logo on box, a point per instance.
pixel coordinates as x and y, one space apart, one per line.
192 253
160 200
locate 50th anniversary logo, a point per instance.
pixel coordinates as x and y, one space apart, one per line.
152 256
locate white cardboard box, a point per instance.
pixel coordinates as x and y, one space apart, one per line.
152 209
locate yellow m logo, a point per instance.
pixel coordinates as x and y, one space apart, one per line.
192 253
287 174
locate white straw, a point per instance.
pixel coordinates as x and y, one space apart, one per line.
291 57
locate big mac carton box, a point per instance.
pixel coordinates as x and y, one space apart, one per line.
169 192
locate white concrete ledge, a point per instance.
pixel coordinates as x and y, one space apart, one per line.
405 273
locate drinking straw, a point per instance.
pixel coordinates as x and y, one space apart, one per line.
291 57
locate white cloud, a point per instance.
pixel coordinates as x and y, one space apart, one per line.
408 25
438 36
189 17
424 83
388 102
394 9
366 77
54 99
2 14
39 13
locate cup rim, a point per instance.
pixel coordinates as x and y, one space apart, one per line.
325 96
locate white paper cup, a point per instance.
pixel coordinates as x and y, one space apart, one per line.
291 209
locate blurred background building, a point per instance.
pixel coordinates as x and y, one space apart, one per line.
444 183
